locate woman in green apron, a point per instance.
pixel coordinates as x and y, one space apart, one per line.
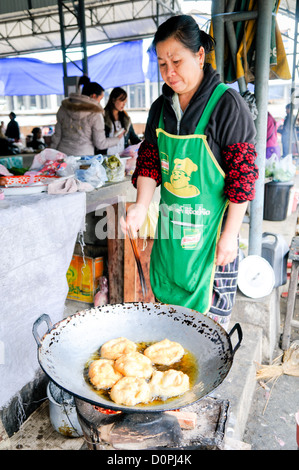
199 146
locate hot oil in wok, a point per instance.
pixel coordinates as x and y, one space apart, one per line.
187 364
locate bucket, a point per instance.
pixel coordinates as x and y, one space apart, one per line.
275 250
63 414
276 200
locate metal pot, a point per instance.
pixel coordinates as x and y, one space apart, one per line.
66 347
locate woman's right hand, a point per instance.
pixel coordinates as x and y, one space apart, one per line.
120 133
135 217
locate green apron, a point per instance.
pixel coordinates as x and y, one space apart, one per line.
191 210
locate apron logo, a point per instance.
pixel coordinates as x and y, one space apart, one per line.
190 239
164 163
179 184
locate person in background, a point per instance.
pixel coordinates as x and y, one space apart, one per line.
285 130
37 142
272 144
6 144
13 130
2 130
80 123
200 148
116 119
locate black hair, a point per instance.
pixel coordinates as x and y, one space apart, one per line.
184 29
90 88
13 115
116 94
35 131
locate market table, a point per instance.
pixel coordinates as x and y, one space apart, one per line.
110 194
37 238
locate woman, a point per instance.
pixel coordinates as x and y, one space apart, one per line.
117 119
199 145
80 123
37 142
272 144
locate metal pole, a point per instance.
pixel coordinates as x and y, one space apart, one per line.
293 89
262 67
63 48
218 8
81 21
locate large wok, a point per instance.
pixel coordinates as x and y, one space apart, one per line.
66 347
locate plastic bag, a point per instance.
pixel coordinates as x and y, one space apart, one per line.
47 154
280 169
94 175
115 168
72 164
285 170
270 165
4 171
132 152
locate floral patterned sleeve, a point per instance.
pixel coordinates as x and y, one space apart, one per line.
148 163
241 172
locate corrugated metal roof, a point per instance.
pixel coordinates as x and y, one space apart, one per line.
33 25
12 6
38 28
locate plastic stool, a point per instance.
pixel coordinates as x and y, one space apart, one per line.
289 321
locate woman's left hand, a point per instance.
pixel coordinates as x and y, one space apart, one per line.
227 249
227 246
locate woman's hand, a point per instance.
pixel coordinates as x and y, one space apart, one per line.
120 133
135 217
137 212
227 246
227 249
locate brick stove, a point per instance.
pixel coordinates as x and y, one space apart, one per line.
200 426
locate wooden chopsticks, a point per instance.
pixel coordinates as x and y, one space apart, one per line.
137 259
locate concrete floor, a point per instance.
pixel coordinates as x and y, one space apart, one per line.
271 424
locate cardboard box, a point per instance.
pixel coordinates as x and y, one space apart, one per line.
83 277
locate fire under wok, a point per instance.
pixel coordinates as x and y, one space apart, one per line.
66 347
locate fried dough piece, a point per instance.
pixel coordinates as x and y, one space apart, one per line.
134 365
115 348
170 383
102 374
164 352
130 391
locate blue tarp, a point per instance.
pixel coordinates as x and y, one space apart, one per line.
119 65
153 69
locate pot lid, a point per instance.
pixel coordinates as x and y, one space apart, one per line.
256 277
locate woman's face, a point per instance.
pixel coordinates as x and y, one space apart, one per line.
180 68
119 104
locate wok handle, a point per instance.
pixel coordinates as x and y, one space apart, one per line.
36 324
240 335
